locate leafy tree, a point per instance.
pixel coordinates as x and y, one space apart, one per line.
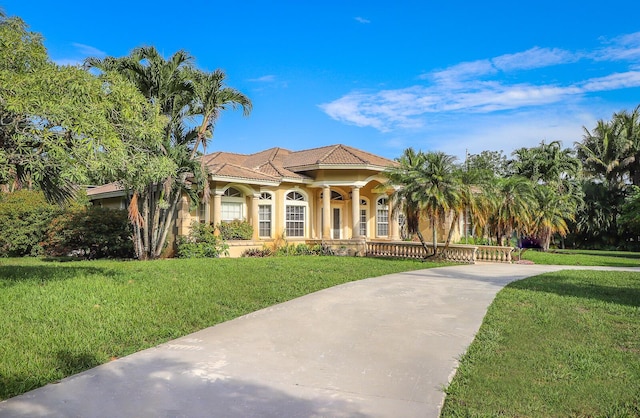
184 94
59 123
486 166
630 214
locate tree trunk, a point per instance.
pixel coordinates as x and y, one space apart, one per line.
424 244
456 216
434 236
168 220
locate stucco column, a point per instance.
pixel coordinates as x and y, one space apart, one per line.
326 212
217 209
393 220
355 212
255 217
207 211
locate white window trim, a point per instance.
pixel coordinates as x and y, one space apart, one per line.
381 207
267 202
305 204
364 207
238 200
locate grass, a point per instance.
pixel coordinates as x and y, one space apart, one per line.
57 319
584 258
564 344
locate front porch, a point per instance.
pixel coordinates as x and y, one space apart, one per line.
360 247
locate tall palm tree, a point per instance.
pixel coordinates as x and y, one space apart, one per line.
184 94
438 190
425 186
515 202
551 214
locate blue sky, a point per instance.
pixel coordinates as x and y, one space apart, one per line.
378 75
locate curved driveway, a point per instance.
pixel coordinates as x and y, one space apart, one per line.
380 347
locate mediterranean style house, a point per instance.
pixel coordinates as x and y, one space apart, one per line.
334 193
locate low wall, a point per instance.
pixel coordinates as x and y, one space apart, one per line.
455 252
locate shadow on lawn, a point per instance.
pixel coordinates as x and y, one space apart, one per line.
12 274
567 286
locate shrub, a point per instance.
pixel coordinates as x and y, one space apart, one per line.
257 252
90 232
24 218
201 243
235 229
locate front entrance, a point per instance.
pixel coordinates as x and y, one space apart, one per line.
335 224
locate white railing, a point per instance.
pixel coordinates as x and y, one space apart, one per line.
455 252
494 254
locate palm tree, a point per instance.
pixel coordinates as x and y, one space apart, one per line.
424 185
551 214
438 190
184 94
514 205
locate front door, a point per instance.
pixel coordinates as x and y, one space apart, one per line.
335 225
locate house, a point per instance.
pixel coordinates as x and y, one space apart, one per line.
333 193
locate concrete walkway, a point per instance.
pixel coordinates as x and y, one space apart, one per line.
381 347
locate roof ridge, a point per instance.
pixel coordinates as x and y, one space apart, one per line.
349 150
331 150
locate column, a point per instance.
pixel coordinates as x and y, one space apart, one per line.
217 209
393 220
355 212
326 212
207 211
255 216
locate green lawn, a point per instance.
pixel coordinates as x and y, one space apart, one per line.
583 258
57 319
563 344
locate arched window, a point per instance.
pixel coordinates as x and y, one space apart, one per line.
232 205
382 217
265 214
295 214
363 218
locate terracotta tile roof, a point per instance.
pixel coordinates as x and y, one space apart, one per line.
236 171
107 188
279 164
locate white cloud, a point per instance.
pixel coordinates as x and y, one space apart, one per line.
362 20
533 58
89 51
264 79
478 87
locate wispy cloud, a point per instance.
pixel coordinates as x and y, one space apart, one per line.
79 53
362 20
264 79
89 51
481 87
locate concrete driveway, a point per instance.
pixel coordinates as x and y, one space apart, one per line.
380 347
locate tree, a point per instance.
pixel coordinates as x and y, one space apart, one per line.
427 186
184 94
514 203
57 123
555 173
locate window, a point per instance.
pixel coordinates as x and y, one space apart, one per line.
382 217
232 205
264 215
334 195
202 212
231 211
363 218
295 214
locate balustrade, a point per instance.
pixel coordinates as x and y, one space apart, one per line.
455 252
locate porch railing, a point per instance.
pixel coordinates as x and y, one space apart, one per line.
455 252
